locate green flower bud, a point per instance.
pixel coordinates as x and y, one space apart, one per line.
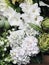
6 25
45 24
44 42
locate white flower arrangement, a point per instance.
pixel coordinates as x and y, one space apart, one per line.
21 41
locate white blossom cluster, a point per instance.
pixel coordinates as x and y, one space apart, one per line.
31 13
23 42
23 47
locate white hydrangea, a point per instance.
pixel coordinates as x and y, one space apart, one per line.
16 37
22 46
30 45
20 54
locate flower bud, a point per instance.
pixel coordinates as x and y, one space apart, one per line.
45 24
44 42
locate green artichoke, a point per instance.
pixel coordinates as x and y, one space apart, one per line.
45 24
44 42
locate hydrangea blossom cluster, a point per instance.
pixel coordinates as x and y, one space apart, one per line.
23 42
23 47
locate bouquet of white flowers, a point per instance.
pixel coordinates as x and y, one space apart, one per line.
23 32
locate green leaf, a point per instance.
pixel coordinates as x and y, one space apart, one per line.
18 9
37 59
36 27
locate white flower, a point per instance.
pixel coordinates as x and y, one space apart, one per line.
14 21
21 54
25 7
34 9
37 20
13 17
31 14
9 12
32 19
23 46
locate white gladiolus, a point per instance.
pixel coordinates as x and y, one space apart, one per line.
31 13
13 17
26 8
9 12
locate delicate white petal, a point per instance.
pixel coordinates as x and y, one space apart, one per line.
43 4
